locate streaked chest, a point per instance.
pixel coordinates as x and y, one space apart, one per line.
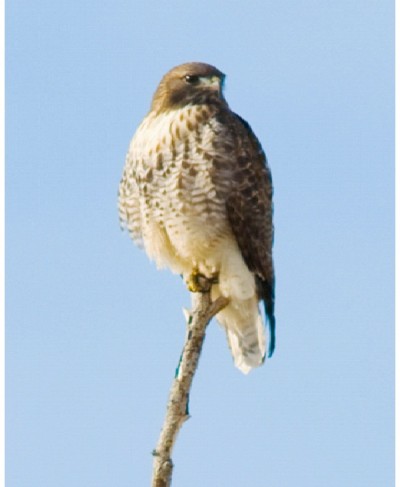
173 155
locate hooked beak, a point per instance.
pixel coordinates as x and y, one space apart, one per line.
213 82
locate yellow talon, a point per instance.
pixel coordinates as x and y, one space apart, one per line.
193 282
198 283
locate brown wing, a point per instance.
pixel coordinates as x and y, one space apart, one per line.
249 209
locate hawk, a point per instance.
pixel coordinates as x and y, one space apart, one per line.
196 193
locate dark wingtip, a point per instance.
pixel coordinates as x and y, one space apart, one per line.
267 294
271 348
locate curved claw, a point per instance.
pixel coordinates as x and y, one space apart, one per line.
198 283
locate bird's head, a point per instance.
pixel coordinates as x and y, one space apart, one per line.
189 84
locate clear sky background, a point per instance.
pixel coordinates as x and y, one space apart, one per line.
94 331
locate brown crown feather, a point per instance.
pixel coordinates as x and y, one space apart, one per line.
175 92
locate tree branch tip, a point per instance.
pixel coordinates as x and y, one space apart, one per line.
218 305
187 314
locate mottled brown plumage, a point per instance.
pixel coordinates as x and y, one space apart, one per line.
197 194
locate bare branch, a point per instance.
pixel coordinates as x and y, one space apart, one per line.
203 309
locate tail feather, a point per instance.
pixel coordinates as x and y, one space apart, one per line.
248 350
245 332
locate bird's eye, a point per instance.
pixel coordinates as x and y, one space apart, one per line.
192 79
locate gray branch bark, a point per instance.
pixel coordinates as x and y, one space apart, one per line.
203 309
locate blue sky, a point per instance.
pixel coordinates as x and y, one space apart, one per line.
94 331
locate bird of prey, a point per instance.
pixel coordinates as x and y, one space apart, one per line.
196 193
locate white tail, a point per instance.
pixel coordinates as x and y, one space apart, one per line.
245 332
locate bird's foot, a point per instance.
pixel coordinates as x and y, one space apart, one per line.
198 283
